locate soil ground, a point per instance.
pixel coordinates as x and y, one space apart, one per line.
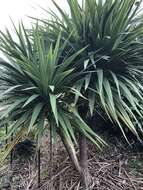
117 167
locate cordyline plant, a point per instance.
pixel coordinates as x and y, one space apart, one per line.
113 60
100 63
37 86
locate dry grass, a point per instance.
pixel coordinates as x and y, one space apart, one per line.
115 169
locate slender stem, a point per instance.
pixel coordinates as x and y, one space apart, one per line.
6 131
51 158
85 175
11 154
39 168
83 151
71 152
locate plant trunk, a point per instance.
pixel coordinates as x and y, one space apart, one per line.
11 154
85 175
71 152
82 166
39 167
51 159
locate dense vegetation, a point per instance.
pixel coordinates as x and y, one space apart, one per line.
68 67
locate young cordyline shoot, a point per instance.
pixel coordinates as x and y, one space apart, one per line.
88 57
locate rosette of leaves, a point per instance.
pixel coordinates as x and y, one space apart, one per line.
112 62
39 87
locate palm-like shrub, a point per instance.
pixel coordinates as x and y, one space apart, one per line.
38 88
113 60
99 53
112 32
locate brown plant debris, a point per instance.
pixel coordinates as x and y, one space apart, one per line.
114 169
